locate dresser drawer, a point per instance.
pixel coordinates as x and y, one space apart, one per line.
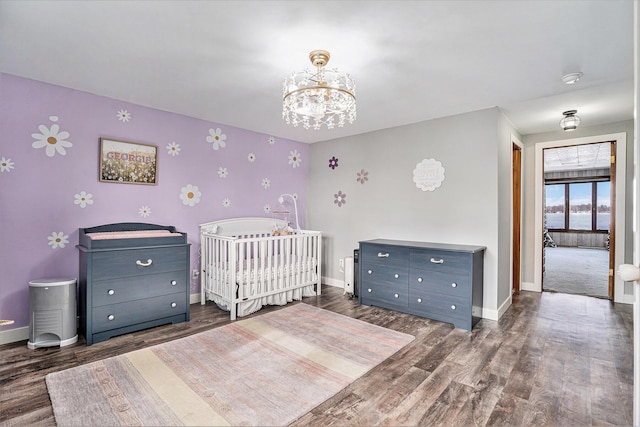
385 255
388 294
440 305
458 263
138 287
381 273
135 262
131 312
444 283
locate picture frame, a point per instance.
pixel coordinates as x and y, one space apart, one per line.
126 162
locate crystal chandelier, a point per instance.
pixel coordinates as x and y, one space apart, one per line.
319 97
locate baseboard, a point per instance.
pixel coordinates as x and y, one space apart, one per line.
194 298
529 286
14 335
336 283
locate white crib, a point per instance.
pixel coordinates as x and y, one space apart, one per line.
244 266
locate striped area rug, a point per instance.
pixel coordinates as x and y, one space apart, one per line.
265 370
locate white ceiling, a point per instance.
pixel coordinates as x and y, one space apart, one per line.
224 61
578 157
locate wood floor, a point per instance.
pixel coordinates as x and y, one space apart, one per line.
553 359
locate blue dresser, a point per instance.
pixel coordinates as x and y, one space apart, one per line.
128 284
440 281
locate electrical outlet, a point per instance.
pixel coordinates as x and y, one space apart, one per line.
195 274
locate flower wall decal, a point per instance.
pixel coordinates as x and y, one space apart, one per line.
83 199
266 183
173 149
271 140
223 172
340 198
51 138
226 203
294 158
333 162
124 116
58 240
251 157
190 195
217 138
266 209
144 211
6 165
362 176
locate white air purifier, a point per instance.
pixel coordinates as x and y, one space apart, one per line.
349 282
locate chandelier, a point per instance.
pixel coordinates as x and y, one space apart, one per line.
319 97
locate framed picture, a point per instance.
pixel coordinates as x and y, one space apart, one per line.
128 162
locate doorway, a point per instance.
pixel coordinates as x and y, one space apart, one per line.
579 219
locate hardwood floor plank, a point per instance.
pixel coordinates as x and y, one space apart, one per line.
552 359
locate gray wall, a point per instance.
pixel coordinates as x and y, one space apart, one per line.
472 206
528 249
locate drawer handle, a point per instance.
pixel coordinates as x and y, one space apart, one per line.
111 292
453 306
396 275
437 261
419 279
396 295
381 255
173 283
369 290
174 305
420 300
144 264
369 272
111 317
454 285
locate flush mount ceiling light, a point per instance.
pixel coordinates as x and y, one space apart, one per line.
572 78
319 97
570 121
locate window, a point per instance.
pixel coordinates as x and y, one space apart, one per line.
578 206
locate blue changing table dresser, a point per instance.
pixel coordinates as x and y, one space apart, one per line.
439 281
128 284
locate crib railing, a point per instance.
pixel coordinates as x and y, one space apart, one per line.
245 267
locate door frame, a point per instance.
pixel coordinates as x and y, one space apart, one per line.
619 232
516 213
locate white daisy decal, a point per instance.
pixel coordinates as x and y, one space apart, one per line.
6 165
173 149
124 116
251 157
144 211
266 183
83 199
53 139
190 195
226 203
217 138
294 158
267 209
272 140
58 240
222 172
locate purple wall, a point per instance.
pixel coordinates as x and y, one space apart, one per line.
41 188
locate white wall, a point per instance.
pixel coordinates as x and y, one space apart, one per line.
472 206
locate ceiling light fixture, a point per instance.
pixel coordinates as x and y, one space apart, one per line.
572 78
319 97
570 121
